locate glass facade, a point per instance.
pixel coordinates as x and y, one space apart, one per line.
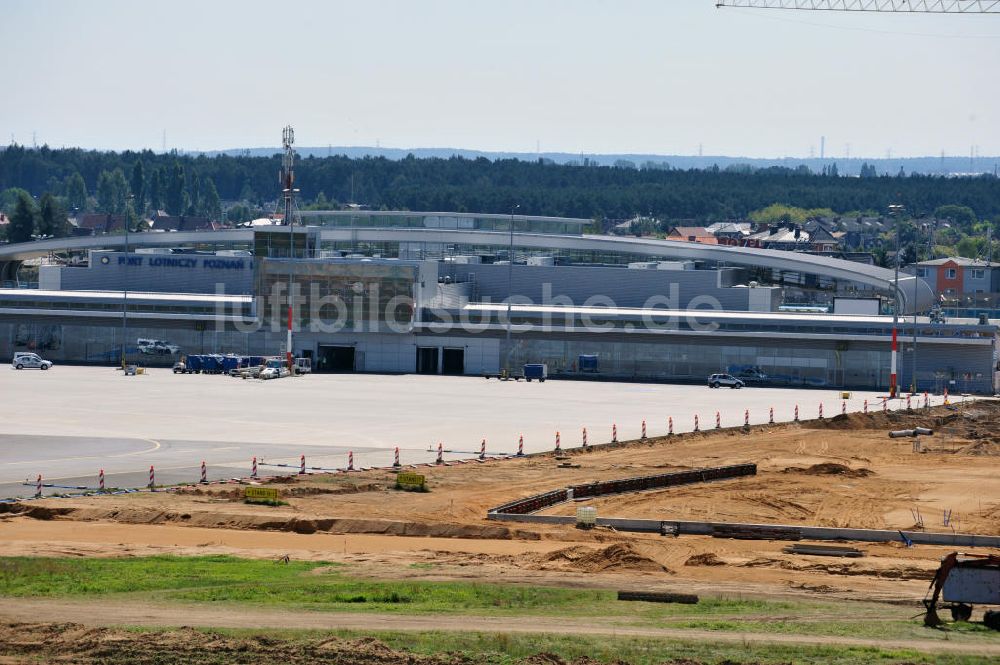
331 294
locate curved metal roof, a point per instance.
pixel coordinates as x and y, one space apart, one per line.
914 292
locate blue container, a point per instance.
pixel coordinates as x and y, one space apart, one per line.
536 371
588 363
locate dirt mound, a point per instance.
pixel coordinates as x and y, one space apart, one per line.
616 557
72 643
892 572
280 521
981 448
704 559
831 469
236 493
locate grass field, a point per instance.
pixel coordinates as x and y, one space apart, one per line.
330 587
514 648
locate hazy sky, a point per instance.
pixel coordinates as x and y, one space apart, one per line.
653 76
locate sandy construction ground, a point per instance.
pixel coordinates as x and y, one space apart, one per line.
844 471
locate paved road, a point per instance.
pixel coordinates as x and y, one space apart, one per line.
69 422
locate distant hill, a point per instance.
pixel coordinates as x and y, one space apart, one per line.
852 166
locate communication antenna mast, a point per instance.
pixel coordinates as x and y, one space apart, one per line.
288 191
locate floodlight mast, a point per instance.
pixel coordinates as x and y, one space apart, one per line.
890 6
287 182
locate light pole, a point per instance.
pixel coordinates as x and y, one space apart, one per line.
510 285
895 210
128 204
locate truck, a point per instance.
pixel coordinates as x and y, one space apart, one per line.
961 582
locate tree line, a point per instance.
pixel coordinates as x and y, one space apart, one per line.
84 180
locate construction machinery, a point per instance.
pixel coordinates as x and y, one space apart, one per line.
962 581
897 6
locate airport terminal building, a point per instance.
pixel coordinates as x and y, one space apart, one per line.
444 293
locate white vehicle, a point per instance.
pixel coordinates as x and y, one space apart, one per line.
303 365
29 360
157 347
274 369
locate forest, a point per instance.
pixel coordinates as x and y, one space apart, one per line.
241 186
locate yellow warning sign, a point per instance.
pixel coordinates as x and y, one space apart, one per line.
261 493
410 479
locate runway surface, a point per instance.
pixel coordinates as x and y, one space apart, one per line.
69 422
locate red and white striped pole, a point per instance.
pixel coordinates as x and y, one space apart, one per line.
746 418
796 413
927 401
670 426
38 487
865 408
100 480
908 403
558 445
253 467
302 465
520 446
440 457
395 457
718 420
584 437
892 370
843 408
821 410
350 460
152 478
770 417
204 472
614 433
482 449
644 429
696 429
288 341
885 405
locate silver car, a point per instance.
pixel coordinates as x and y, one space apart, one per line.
718 380
30 361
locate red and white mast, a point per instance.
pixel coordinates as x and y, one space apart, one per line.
287 182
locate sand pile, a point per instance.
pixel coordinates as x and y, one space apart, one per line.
831 469
613 558
704 559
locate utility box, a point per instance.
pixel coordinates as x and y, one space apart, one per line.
588 363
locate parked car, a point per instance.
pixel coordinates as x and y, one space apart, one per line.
751 375
275 369
29 360
719 380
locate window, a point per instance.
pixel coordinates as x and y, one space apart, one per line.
921 272
950 273
978 273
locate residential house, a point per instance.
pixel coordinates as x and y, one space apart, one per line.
692 234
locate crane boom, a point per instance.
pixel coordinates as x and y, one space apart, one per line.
897 6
